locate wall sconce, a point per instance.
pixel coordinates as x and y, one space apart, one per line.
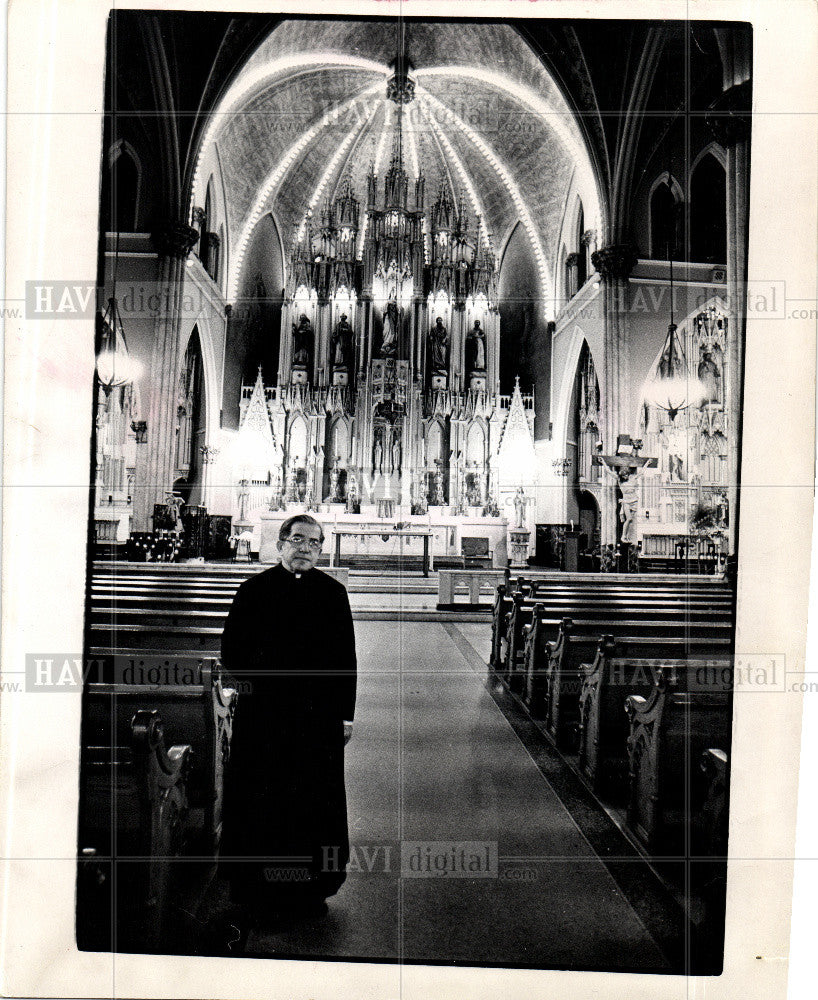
140 429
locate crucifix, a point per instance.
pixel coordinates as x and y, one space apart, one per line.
627 465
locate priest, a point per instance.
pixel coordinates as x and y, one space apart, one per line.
289 640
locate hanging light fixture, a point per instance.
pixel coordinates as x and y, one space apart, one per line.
114 364
672 387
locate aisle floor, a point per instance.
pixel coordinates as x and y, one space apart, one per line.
433 764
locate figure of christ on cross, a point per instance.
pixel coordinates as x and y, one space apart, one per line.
627 466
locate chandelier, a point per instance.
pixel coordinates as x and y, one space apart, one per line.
114 365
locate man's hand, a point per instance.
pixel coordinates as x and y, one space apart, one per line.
347 732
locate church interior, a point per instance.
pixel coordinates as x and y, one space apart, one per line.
469 293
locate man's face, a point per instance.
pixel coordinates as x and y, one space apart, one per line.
300 551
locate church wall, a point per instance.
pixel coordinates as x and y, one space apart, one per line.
649 315
209 318
254 329
525 347
139 297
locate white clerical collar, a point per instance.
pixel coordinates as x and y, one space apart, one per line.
298 576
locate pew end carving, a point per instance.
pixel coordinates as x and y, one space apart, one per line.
133 828
669 729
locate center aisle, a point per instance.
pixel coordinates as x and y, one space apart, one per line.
434 760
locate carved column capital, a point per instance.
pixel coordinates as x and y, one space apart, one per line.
729 117
198 216
572 259
615 261
175 239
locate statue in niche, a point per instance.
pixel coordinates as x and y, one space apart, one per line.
710 378
396 453
439 338
439 498
676 468
389 341
302 341
377 451
476 349
341 343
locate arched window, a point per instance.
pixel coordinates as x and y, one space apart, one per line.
665 218
206 239
708 212
190 435
582 249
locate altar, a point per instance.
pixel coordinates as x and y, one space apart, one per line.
383 542
439 532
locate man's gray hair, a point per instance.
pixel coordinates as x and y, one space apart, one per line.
287 526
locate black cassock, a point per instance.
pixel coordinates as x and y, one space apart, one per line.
284 831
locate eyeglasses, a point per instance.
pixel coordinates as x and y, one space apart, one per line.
298 540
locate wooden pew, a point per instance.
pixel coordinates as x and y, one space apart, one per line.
618 669
665 618
513 608
132 828
196 709
557 695
670 730
712 820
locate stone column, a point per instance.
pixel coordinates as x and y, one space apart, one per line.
174 243
729 122
614 264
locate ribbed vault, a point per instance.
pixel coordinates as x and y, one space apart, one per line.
488 122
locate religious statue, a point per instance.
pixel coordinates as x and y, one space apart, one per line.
341 344
628 467
352 494
377 451
333 483
389 341
519 507
396 453
628 504
439 338
710 377
174 505
302 341
439 498
476 349
676 468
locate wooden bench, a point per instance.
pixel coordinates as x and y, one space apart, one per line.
670 730
530 626
514 605
133 820
197 709
556 680
618 670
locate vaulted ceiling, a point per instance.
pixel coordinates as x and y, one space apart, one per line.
488 122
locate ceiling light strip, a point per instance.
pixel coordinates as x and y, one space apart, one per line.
329 172
510 185
534 101
275 177
246 86
465 180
